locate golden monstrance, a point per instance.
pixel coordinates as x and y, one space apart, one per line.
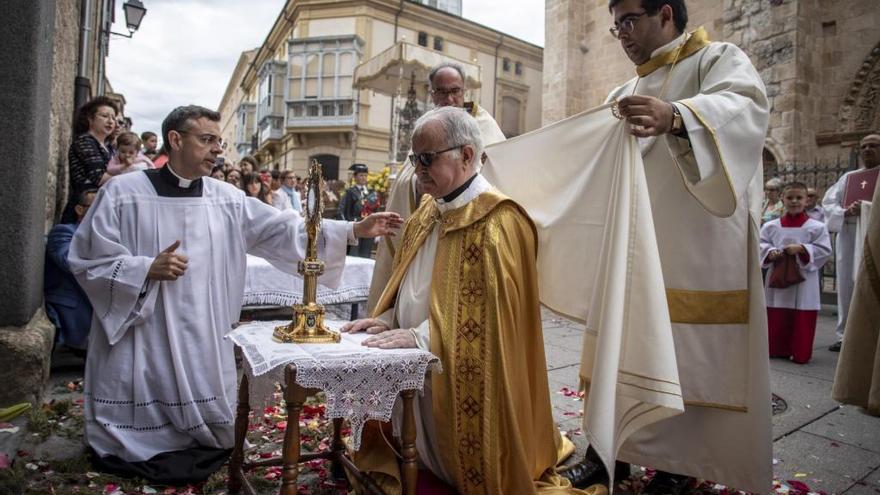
307 326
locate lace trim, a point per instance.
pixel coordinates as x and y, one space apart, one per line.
287 298
118 402
113 278
204 424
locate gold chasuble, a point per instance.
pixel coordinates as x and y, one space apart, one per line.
491 404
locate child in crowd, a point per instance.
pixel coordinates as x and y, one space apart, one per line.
792 311
128 157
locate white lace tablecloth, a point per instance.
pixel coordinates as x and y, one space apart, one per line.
360 383
266 285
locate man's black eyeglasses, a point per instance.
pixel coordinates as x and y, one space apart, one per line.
427 157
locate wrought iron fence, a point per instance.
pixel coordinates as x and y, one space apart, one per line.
820 175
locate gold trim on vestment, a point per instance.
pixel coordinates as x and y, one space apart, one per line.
688 186
585 380
695 42
703 307
648 378
713 405
693 403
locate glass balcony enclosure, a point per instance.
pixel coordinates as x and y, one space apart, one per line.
319 81
246 115
270 100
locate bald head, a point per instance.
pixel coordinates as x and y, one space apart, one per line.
447 85
869 150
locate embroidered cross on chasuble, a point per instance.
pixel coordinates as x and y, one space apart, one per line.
491 405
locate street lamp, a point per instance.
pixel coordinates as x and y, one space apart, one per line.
134 14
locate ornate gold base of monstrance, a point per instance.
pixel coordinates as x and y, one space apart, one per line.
308 326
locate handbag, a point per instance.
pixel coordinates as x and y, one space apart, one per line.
785 273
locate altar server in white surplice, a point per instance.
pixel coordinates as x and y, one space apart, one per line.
700 112
846 221
792 310
161 256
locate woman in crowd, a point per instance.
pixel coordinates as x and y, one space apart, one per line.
233 176
772 207
254 187
88 154
217 173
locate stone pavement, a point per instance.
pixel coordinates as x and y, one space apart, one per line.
830 447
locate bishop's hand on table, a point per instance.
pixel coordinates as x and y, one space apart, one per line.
384 337
369 325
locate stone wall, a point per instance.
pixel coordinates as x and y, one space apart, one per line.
25 96
767 32
66 53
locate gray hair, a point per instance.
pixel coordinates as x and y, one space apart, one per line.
459 128
445 65
775 183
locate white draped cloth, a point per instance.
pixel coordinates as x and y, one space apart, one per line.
266 285
160 376
587 184
582 181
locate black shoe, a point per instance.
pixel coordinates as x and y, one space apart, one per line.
585 473
664 483
835 347
588 473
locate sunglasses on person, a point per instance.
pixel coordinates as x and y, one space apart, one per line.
427 157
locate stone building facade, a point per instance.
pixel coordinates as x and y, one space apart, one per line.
820 61
53 59
288 109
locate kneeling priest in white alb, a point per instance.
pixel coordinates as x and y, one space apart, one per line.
161 256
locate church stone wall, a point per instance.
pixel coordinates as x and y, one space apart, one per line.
64 67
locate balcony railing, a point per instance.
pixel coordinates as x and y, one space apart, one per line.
271 127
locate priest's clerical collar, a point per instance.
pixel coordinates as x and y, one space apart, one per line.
167 183
458 190
475 186
181 182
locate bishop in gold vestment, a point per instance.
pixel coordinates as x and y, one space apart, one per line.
464 286
447 89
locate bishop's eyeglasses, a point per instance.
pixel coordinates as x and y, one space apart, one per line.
427 157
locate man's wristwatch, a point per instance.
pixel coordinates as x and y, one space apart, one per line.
677 122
